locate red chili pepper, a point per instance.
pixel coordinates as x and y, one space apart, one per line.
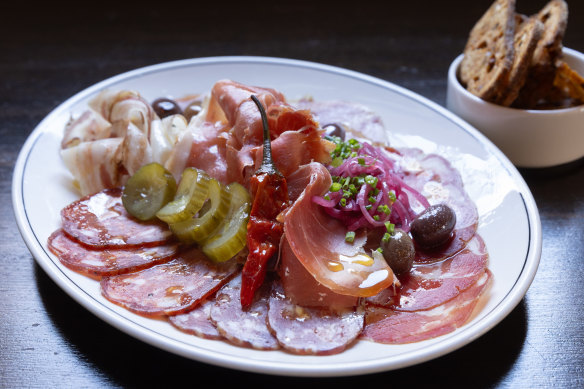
270 193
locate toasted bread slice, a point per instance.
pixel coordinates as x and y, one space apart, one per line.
554 16
527 35
488 55
569 82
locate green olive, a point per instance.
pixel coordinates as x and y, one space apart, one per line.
398 251
148 190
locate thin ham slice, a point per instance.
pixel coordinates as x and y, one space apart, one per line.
101 221
107 262
198 321
318 241
385 325
171 288
429 285
248 327
317 331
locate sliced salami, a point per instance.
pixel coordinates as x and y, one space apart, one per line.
198 321
244 328
317 331
428 285
385 325
170 288
107 262
101 221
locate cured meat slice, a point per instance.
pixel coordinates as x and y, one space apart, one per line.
198 321
243 327
301 287
385 325
107 262
316 331
318 241
170 288
428 285
100 220
364 124
435 178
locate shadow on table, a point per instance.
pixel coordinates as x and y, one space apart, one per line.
115 358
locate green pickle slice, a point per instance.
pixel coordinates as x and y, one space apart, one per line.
231 234
196 229
193 190
148 190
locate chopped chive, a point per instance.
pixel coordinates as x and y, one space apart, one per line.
379 250
343 202
390 227
361 161
376 218
386 237
372 199
368 207
335 187
350 237
391 196
371 180
347 194
326 197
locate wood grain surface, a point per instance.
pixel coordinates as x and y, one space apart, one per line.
49 52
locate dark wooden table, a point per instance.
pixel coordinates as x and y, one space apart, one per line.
49 53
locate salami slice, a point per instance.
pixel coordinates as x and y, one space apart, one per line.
107 262
198 321
244 328
428 285
170 288
385 325
317 331
101 221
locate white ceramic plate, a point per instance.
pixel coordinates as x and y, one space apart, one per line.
509 221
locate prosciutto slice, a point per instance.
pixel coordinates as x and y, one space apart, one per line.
108 262
316 331
385 325
171 288
101 221
318 241
429 285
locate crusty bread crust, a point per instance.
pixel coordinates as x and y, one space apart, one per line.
488 55
554 16
527 36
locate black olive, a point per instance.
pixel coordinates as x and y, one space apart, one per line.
334 129
399 251
165 107
192 109
433 227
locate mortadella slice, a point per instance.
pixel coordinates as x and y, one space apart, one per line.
107 262
314 331
101 221
171 288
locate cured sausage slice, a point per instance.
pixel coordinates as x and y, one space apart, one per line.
428 285
198 321
107 262
316 331
101 221
170 288
385 325
244 328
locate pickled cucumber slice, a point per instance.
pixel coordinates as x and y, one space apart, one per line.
231 234
148 190
206 221
191 194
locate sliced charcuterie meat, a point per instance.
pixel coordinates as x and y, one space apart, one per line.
428 285
107 262
385 325
170 288
243 327
436 179
101 221
198 321
317 331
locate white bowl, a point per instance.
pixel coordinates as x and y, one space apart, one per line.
529 138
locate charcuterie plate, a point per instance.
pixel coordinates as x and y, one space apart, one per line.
508 217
